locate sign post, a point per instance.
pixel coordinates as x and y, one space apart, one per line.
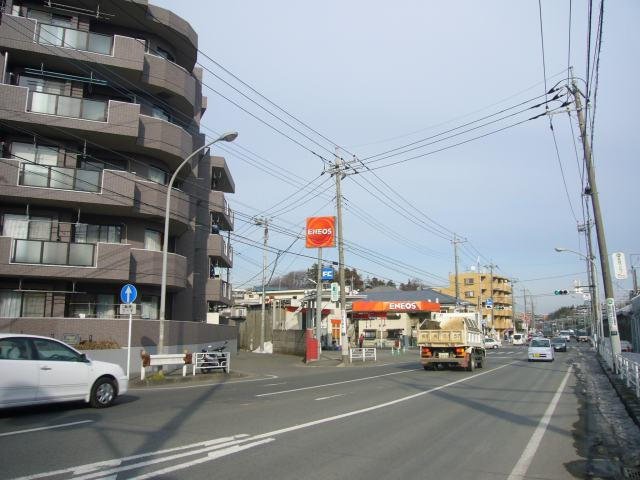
320 233
128 295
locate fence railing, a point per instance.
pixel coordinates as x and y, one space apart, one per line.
63 178
363 354
629 373
76 39
207 361
63 106
46 252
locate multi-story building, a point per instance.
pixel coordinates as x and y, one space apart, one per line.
476 288
100 102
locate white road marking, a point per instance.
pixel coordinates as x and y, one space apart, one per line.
267 377
336 383
225 446
274 384
520 469
6 434
331 396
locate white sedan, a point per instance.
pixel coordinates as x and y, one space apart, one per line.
491 343
35 370
540 349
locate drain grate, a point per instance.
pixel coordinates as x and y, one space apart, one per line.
632 473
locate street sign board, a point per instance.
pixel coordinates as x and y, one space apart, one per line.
489 303
327 273
128 293
335 291
128 308
619 265
320 232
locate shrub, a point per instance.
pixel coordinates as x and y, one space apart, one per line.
98 345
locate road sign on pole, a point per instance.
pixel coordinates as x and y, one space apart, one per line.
489 303
327 273
335 291
128 294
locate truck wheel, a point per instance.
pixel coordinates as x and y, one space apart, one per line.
428 367
472 364
481 362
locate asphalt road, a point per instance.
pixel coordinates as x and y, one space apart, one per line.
511 419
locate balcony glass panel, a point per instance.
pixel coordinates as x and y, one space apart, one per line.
76 39
69 107
35 175
61 178
27 251
42 103
55 253
87 181
100 43
51 35
94 110
81 254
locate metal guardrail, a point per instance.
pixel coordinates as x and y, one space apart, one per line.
164 359
629 373
212 360
363 354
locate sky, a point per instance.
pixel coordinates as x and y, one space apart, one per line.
371 76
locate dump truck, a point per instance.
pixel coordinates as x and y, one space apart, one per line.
451 339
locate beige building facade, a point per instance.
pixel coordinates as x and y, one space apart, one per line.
478 287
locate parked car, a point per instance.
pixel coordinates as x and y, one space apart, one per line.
491 343
36 370
517 339
540 349
559 344
626 346
566 334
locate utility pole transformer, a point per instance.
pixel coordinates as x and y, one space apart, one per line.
343 301
602 243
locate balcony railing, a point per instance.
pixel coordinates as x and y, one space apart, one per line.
76 39
33 175
67 106
45 252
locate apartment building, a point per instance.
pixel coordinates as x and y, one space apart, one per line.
478 287
100 102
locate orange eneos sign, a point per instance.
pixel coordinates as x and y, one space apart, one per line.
321 232
397 306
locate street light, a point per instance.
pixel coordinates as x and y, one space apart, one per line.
594 301
226 137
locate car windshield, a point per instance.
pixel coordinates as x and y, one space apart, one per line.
517 337
564 332
540 343
557 340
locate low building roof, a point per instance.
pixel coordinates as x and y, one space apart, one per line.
426 295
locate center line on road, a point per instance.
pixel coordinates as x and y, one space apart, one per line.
6 434
336 383
330 396
274 384
520 469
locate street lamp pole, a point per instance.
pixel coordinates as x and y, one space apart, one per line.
227 137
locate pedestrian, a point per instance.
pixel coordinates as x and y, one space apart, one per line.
361 340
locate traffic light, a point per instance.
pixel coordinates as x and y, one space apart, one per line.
561 292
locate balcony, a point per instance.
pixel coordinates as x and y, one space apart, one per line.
220 209
217 247
146 268
71 107
63 260
164 138
163 75
221 179
32 175
218 290
108 123
151 198
36 42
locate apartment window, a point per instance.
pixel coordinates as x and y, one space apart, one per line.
152 240
150 306
50 18
468 281
41 85
10 304
157 175
23 227
213 268
469 294
159 112
22 304
33 304
215 223
89 305
161 52
97 165
84 233
40 154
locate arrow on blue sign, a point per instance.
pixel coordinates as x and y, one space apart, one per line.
128 294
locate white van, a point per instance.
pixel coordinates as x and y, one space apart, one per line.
517 339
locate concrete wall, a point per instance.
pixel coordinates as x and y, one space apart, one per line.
284 341
292 342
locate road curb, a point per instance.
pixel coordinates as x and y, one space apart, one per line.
627 397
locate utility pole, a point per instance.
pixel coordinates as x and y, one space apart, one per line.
596 322
265 222
513 303
343 301
602 243
455 256
491 266
524 303
533 314
319 302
